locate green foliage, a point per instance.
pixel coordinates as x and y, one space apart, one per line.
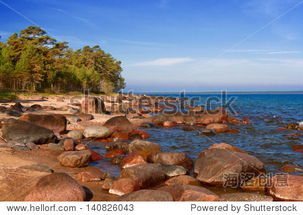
33 61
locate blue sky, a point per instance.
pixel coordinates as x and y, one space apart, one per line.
172 45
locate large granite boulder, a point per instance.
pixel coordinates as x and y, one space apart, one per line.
145 175
119 124
55 122
74 158
57 187
24 132
221 166
171 158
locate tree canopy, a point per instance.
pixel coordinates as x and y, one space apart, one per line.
33 61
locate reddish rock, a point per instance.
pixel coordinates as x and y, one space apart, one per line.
287 187
142 134
145 175
91 175
218 127
183 179
291 168
123 186
207 119
69 144
120 136
257 183
169 124
81 147
214 166
225 146
171 158
181 192
146 195
144 148
85 117
74 158
57 187
119 124
95 156
55 122
132 160
233 131
114 153
281 129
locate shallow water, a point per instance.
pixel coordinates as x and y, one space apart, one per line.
261 139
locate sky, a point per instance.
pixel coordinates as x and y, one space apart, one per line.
174 45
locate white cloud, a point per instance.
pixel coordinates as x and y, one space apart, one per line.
164 62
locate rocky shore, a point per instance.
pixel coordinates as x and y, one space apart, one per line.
45 153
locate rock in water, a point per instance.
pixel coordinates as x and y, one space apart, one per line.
183 179
144 148
57 187
145 175
218 127
287 187
119 124
217 166
181 192
74 158
24 132
96 131
171 158
55 122
146 195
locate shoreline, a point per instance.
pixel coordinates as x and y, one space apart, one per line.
14 157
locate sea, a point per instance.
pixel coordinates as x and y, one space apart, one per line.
263 138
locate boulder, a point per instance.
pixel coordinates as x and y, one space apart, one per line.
123 186
145 175
146 195
144 148
225 146
81 147
182 192
93 105
183 179
210 118
74 158
171 158
55 122
207 132
55 146
22 131
132 160
91 175
169 124
117 145
217 166
173 170
69 144
85 117
57 187
119 124
75 134
287 187
218 127
96 132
